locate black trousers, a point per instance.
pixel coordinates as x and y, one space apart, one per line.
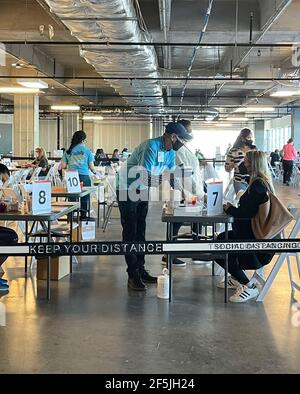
133 220
248 261
8 237
287 170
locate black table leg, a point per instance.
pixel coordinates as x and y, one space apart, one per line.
226 266
49 264
213 262
170 258
71 239
26 240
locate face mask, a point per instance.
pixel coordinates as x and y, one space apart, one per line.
249 143
177 145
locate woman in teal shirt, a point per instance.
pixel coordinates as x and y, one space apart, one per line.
79 158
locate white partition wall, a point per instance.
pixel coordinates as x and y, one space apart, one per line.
111 134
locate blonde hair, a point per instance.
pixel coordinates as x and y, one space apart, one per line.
42 153
259 167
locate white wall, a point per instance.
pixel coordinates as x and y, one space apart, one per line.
277 132
111 134
48 134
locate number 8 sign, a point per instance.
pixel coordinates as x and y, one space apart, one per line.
73 182
41 197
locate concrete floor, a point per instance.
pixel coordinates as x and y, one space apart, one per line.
94 325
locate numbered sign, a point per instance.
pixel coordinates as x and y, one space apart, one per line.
41 197
214 197
73 182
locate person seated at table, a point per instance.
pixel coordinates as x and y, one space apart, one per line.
8 237
115 154
79 158
40 161
256 194
100 154
4 173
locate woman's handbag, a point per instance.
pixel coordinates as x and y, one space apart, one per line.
272 217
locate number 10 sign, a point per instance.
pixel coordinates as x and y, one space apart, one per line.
215 198
73 182
41 197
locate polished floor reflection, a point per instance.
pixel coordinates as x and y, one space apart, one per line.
93 324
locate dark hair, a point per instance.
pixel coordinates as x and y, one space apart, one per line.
99 151
125 150
185 123
240 141
4 169
78 137
290 140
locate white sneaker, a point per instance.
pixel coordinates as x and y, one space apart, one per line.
244 293
232 283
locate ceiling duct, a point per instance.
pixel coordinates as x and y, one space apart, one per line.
113 20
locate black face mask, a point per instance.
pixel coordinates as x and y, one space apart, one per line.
249 143
177 145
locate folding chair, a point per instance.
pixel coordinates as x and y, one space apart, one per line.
267 283
111 198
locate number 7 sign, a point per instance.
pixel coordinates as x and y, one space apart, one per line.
41 197
214 198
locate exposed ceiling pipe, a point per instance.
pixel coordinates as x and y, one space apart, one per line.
107 42
206 20
266 27
121 25
165 7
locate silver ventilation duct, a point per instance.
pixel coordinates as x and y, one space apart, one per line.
115 20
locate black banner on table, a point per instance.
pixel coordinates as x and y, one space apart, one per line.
150 247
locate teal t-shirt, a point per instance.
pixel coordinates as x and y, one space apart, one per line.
150 155
79 159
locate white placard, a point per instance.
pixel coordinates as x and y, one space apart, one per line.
215 198
41 197
72 181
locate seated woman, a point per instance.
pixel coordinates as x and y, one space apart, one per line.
256 194
8 237
4 174
40 161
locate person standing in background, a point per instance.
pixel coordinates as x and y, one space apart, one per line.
79 158
288 156
236 156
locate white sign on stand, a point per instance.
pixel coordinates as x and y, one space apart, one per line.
41 197
73 182
214 197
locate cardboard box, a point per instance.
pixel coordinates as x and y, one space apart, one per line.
60 267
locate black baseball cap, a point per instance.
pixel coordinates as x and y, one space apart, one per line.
179 130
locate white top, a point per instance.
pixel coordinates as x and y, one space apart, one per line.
188 159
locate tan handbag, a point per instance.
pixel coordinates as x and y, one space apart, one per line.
272 217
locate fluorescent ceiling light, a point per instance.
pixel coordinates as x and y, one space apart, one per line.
17 90
65 107
224 124
236 118
33 83
92 117
255 109
285 93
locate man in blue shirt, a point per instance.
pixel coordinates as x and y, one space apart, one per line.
145 167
